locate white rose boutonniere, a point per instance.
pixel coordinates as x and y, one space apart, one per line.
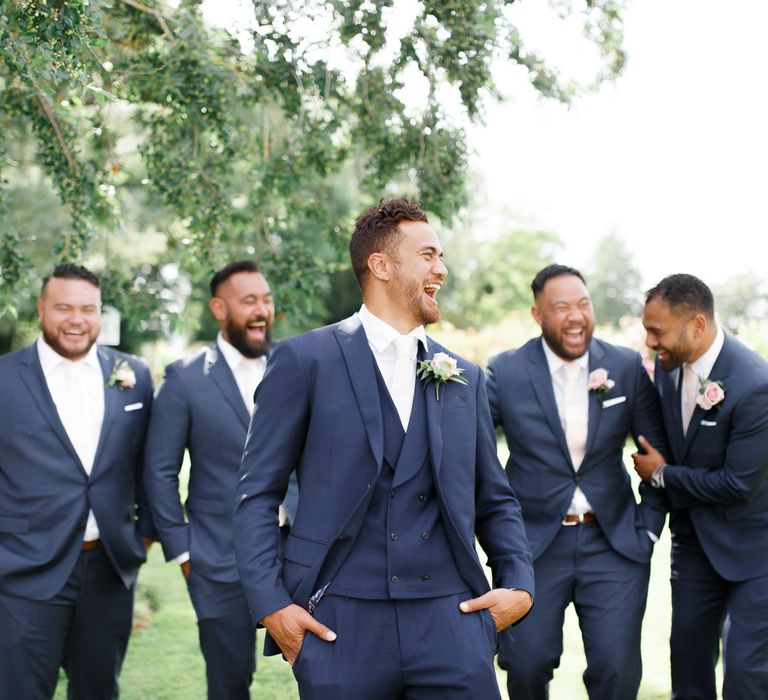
441 369
710 393
122 375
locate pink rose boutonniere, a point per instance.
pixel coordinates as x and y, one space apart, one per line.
122 375
710 393
441 369
598 381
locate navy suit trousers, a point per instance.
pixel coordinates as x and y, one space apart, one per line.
84 628
227 636
701 600
609 593
423 649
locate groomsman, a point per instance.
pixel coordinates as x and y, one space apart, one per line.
203 406
381 594
567 403
714 398
73 419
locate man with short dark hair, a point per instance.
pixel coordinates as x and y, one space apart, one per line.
203 406
714 398
567 403
73 419
381 594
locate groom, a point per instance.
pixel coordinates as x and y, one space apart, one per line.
381 593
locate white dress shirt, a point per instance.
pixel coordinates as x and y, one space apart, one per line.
381 339
579 503
248 371
77 390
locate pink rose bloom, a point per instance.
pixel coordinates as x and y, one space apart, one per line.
444 365
712 395
598 379
125 377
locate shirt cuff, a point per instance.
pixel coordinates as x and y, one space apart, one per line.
184 556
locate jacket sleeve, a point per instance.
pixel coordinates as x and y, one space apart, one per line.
272 451
498 516
144 520
163 457
647 421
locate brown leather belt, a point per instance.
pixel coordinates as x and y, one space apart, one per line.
91 544
570 520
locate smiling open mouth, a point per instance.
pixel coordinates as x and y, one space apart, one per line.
431 291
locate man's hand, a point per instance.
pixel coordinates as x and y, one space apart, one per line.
185 569
506 605
289 625
646 464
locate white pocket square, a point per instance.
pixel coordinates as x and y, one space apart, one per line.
708 423
133 406
613 402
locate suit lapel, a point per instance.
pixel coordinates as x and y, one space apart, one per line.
216 366
541 381
32 376
669 395
111 401
720 371
434 410
359 363
596 356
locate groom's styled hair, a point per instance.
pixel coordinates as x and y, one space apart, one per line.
70 271
684 294
376 231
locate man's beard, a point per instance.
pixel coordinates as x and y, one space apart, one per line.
413 292
53 342
238 338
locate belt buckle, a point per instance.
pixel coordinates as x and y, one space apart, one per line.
580 520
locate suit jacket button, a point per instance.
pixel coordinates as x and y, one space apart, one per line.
424 535
422 497
393 536
392 494
394 579
425 578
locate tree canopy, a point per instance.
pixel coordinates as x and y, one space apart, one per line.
142 141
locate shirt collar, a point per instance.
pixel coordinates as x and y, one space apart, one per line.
50 359
380 334
703 366
555 362
232 356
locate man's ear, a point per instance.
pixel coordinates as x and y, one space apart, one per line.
379 265
536 314
40 310
218 308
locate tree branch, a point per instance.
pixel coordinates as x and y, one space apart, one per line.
52 119
151 11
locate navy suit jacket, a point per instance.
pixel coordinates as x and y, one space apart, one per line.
322 416
198 407
539 467
719 468
45 492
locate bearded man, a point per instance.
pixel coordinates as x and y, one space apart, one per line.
204 406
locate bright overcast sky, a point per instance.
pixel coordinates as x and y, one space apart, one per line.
672 157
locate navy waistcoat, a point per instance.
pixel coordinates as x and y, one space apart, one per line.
402 550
